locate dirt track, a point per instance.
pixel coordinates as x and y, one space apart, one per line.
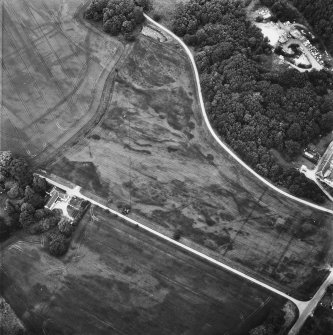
55 70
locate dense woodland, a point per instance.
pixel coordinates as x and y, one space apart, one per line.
118 16
25 196
254 108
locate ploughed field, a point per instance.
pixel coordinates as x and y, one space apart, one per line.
152 151
54 72
117 279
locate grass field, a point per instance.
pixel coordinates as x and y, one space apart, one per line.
119 280
152 151
54 73
164 10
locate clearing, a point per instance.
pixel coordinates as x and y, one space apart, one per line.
117 279
284 34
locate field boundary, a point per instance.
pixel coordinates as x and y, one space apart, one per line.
304 308
49 154
76 192
217 138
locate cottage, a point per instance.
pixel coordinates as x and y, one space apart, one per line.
55 195
325 167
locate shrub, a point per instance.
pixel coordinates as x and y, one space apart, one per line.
57 244
36 228
177 235
157 17
42 213
65 227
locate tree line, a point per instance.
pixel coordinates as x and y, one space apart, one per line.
25 198
253 106
118 16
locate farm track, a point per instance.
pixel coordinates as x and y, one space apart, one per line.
74 142
61 93
60 30
45 158
68 99
33 82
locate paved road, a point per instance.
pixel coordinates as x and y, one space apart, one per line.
76 192
305 308
216 137
311 306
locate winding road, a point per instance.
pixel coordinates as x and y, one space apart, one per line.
216 137
305 308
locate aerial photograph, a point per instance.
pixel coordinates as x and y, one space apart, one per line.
166 167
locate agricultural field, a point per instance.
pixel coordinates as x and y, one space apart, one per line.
57 75
152 152
116 279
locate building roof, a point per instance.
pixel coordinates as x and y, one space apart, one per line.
52 200
325 168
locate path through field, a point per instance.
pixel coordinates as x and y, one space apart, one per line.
54 74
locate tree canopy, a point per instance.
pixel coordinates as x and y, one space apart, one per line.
118 16
24 206
4 229
254 108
